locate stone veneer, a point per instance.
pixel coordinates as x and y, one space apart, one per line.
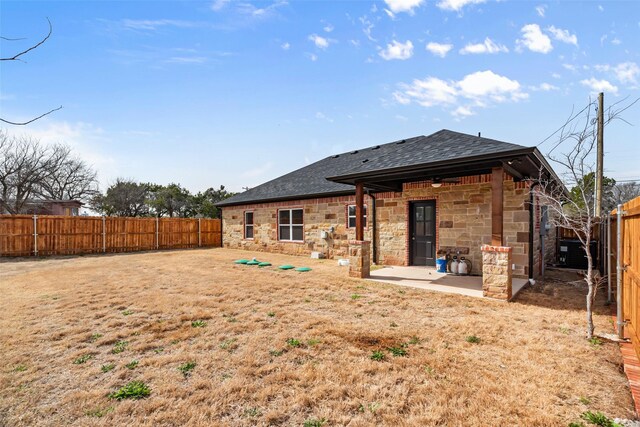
463 219
359 258
496 272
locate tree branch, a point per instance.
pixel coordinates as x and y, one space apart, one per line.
35 46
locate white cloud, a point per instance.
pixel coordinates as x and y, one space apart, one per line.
462 111
439 49
600 8
319 41
556 75
541 10
402 118
488 46
563 35
219 4
456 5
312 56
367 27
328 28
534 39
186 60
475 90
397 50
321 116
261 12
627 72
599 85
154 24
285 46
544 87
398 6
616 41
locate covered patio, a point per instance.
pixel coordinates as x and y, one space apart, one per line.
428 278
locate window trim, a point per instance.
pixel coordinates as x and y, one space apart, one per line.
244 225
291 224
353 216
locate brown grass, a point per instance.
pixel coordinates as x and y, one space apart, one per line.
532 366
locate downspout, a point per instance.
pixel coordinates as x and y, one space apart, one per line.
374 249
531 281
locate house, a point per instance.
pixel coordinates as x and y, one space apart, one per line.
52 207
403 203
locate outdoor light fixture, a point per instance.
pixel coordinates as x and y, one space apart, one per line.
436 184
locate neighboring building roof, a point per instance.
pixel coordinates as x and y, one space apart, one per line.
319 179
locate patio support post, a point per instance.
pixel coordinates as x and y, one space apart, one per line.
359 211
497 203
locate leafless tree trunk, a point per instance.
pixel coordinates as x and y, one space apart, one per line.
574 153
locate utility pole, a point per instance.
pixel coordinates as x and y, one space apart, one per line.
599 173
599 168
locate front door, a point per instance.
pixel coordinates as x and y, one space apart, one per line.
423 233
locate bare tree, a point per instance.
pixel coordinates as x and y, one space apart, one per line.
623 192
575 210
30 171
18 57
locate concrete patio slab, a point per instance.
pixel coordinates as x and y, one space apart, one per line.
428 278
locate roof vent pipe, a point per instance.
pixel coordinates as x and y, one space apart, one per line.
479 135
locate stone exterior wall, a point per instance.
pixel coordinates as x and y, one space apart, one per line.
463 218
319 214
496 272
463 223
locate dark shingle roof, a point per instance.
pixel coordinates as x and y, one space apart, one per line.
311 180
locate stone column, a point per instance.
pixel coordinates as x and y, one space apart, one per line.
496 272
359 258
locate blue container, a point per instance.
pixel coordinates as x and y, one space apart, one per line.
441 265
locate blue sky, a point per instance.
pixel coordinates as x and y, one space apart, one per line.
237 93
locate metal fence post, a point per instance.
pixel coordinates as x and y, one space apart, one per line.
199 233
608 252
104 234
35 235
619 271
157 232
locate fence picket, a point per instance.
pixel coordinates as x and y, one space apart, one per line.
27 235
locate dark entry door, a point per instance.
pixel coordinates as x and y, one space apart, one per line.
423 233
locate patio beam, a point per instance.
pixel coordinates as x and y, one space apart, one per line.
360 211
497 204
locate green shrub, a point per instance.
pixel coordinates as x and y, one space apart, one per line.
108 367
119 347
83 359
397 351
127 312
132 365
599 419
95 337
186 368
315 422
271 314
472 339
133 390
294 342
198 324
20 368
377 355
99 413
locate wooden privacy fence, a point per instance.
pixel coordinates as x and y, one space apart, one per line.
27 235
630 259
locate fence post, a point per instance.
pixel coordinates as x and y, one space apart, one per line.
619 271
157 233
104 234
199 233
608 252
35 235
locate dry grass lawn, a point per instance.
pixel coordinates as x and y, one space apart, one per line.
531 366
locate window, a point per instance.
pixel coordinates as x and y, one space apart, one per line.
351 216
290 225
248 225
